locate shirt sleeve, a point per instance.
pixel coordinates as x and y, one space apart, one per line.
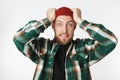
26 38
103 41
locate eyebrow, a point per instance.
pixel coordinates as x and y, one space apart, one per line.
62 21
58 21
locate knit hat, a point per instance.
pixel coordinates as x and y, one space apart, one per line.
64 11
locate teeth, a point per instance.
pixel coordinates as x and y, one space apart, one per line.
63 35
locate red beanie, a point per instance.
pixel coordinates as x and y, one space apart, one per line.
64 11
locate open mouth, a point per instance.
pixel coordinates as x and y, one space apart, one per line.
64 35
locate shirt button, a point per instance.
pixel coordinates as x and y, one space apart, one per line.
86 57
51 56
49 62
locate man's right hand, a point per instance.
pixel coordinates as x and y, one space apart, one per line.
51 14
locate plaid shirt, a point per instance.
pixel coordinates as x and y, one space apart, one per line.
81 54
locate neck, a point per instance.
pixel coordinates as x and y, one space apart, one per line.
56 41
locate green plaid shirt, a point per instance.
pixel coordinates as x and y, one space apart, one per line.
81 54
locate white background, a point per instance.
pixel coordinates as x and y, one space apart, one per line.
14 14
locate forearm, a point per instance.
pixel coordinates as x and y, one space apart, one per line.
31 30
104 37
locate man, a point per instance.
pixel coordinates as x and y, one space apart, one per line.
64 58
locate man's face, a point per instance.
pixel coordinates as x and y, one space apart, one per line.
64 29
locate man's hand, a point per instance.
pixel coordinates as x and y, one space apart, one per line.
77 15
51 14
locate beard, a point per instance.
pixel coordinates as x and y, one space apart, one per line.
63 41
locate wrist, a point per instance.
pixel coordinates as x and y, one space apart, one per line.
46 22
79 21
83 24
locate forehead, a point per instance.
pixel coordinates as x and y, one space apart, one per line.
64 18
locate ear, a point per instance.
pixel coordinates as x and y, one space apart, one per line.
75 26
53 25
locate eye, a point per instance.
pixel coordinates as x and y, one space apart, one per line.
58 24
70 24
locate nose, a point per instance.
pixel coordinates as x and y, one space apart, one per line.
64 29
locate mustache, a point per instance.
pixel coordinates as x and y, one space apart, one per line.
66 34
